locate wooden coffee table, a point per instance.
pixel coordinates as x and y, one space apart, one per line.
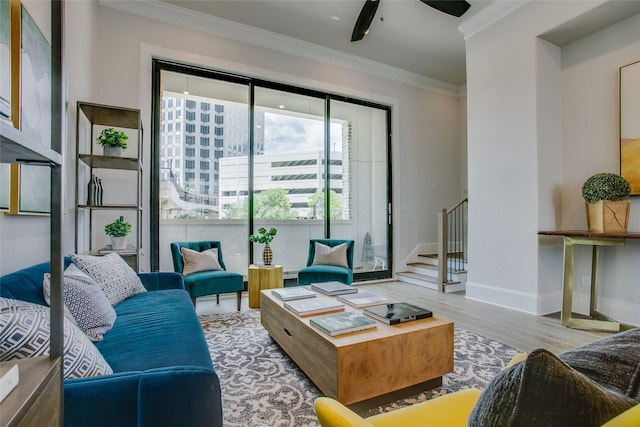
362 365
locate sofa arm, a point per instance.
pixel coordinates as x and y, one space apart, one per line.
628 418
159 280
332 413
176 396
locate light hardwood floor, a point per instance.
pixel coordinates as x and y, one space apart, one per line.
522 331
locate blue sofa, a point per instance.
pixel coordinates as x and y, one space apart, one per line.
162 370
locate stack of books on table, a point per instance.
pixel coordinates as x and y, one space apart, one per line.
342 323
362 299
333 288
399 312
309 306
293 293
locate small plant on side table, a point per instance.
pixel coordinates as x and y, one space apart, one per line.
607 200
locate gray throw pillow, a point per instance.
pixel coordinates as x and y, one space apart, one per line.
71 270
327 255
613 362
87 304
543 391
117 280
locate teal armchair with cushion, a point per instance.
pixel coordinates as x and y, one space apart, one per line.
203 270
328 260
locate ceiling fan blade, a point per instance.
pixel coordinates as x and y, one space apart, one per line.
364 20
452 7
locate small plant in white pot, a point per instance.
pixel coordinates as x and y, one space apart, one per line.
607 199
113 142
118 230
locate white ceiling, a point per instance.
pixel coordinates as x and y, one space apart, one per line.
405 34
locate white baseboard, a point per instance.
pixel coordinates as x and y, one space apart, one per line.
515 300
621 311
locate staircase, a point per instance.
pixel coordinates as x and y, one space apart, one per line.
423 271
445 269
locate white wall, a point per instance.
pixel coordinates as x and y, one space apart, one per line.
426 146
541 120
590 145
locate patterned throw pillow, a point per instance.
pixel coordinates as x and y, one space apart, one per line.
543 391
117 280
24 332
195 261
328 255
72 270
88 305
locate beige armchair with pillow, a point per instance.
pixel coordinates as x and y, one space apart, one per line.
328 260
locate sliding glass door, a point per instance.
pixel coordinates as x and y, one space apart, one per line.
203 122
233 154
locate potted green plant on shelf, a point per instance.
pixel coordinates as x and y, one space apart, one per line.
118 230
265 237
607 199
113 141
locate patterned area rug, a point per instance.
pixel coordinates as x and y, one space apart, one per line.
261 386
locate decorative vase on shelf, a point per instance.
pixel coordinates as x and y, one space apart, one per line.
91 191
118 243
99 192
267 254
113 151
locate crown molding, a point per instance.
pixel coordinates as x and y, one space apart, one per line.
176 15
489 16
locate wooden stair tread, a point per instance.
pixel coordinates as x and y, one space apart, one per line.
434 267
423 277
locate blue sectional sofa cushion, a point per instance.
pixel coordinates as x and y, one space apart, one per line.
163 375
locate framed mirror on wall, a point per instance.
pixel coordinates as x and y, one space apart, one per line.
630 124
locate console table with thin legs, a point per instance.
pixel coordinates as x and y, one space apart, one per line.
598 321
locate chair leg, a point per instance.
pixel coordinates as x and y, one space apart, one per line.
239 299
217 298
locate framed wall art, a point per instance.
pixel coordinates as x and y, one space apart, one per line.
10 61
630 124
5 179
35 78
30 191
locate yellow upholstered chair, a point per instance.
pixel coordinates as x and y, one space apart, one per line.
449 410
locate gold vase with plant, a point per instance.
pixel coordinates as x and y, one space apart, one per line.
265 236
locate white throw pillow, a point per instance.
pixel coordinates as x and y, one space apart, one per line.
24 332
117 280
195 261
327 255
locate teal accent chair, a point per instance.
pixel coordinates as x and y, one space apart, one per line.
327 273
211 282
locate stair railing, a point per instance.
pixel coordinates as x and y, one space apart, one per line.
452 242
